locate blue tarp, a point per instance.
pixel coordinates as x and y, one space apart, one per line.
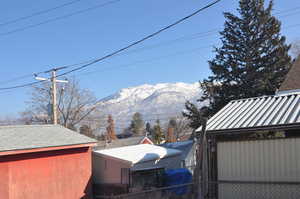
177 177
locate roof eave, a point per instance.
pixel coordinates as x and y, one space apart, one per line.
43 149
253 129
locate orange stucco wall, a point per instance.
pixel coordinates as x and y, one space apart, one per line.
60 174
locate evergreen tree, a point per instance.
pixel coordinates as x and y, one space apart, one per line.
195 115
137 124
149 130
158 135
252 60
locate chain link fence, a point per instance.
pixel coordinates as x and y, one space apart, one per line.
183 191
218 190
256 190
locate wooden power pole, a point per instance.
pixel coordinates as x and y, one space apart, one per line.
53 90
200 171
54 104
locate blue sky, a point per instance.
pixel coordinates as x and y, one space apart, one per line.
97 32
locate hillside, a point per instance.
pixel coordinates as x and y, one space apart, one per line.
159 101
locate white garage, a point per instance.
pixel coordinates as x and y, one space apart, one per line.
109 164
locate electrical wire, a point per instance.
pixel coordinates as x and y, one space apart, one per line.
34 74
141 40
122 49
198 35
59 18
287 10
38 13
180 39
79 12
119 66
184 38
145 61
92 61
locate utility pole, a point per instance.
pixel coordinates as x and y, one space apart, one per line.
201 170
54 106
53 90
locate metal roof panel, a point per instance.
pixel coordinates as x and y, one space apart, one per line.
258 112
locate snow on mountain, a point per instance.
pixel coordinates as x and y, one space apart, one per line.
160 101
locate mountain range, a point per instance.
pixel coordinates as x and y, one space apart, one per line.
159 101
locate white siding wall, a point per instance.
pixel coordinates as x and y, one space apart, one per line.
261 160
107 170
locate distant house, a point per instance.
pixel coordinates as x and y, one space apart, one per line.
188 152
132 165
44 161
146 140
123 142
254 145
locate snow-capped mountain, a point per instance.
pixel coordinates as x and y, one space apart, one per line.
160 101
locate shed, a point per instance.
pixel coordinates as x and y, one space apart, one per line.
110 166
44 161
254 148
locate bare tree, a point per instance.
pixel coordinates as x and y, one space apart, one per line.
74 104
182 127
110 130
9 120
295 50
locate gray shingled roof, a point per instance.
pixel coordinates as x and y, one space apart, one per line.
38 136
119 143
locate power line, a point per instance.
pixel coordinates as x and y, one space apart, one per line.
287 15
179 39
122 49
143 39
287 10
113 68
21 77
38 73
145 61
59 18
292 26
38 13
16 79
193 36
184 38
75 13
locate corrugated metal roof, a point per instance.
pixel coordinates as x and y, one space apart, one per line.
38 136
266 111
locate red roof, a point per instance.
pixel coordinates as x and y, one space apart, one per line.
146 140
